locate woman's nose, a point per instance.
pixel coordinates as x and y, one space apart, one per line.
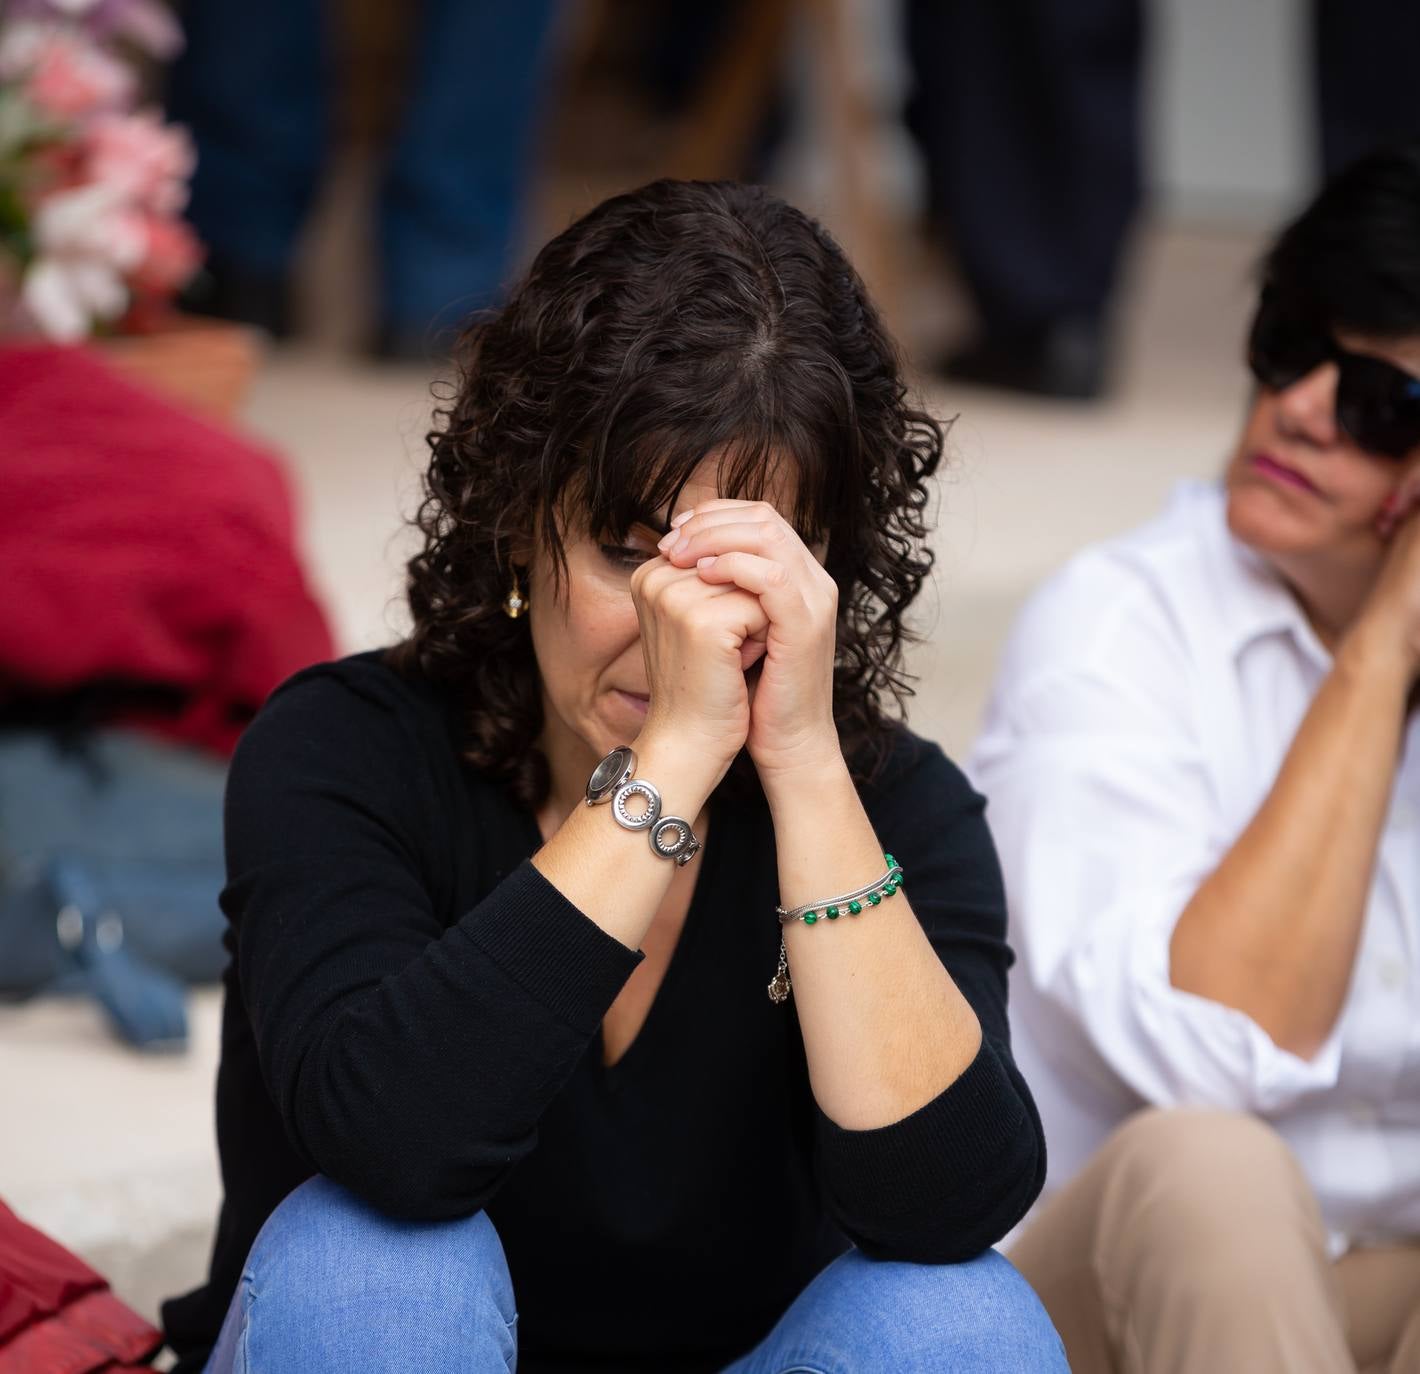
1307 408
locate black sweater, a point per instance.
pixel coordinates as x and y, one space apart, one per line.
414 1011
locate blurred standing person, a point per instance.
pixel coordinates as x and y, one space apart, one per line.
254 85
1029 118
1029 115
1202 759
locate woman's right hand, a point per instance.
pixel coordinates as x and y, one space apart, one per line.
1393 607
698 641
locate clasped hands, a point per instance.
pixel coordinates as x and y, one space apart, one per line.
736 588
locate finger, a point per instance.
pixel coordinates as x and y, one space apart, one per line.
741 617
767 538
727 614
1408 493
1400 505
655 579
715 503
782 599
704 516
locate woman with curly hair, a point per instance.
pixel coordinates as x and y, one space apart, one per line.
518 1064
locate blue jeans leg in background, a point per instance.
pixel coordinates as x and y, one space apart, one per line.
863 1316
459 170
331 1286
253 85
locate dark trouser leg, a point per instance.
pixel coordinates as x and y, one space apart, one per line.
1028 115
1365 76
252 85
459 168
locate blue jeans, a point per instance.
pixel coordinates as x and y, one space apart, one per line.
255 85
329 1280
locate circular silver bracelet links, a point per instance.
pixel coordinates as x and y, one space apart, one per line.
672 838
612 780
641 820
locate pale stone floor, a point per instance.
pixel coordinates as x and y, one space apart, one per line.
113 1152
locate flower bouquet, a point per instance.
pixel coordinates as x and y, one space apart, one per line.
91 190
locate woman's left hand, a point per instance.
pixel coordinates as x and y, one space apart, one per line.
748 543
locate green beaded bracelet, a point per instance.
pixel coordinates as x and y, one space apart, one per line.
811 912
851 902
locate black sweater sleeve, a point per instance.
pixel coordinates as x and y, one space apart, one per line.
409 1059
950 1180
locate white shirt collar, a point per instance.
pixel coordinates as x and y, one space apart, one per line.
1252 599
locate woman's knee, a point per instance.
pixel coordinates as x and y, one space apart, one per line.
328 1267
979 1314
1193 1164
1209 1192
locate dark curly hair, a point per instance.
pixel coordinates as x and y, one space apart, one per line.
668 323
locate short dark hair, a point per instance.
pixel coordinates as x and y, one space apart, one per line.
667 323
1352 257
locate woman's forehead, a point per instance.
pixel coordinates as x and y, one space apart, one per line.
774 479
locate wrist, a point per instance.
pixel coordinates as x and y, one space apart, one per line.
817 772
1375 649
684 775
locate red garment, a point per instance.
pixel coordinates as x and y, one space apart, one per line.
57 1315
142 545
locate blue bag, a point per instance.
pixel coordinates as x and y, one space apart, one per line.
110 866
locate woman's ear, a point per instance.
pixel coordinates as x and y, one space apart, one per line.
519 548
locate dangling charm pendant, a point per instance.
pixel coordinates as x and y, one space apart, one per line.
515 603
779 984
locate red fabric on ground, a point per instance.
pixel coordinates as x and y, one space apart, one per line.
56 1314
141 544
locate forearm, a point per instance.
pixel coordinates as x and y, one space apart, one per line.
1274 930
885 1029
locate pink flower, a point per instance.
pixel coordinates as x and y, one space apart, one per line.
87 240
148 23
63 74
90 222
172 255
145 160
64 297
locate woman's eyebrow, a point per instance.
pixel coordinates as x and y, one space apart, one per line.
652 520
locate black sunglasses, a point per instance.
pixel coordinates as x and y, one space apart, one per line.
1377 404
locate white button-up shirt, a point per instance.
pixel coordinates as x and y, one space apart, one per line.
1146 700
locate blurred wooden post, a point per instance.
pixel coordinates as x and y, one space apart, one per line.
719 127
841 83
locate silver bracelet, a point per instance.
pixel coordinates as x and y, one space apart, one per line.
614 780
850 903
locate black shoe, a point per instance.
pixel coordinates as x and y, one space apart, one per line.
227 291
1064 360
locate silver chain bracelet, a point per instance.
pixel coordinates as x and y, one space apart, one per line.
850 903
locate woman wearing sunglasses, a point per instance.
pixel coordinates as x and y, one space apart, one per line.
1204 774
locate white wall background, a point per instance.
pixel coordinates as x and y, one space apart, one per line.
1231 125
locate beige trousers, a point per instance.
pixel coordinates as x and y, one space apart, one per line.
1192 1243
